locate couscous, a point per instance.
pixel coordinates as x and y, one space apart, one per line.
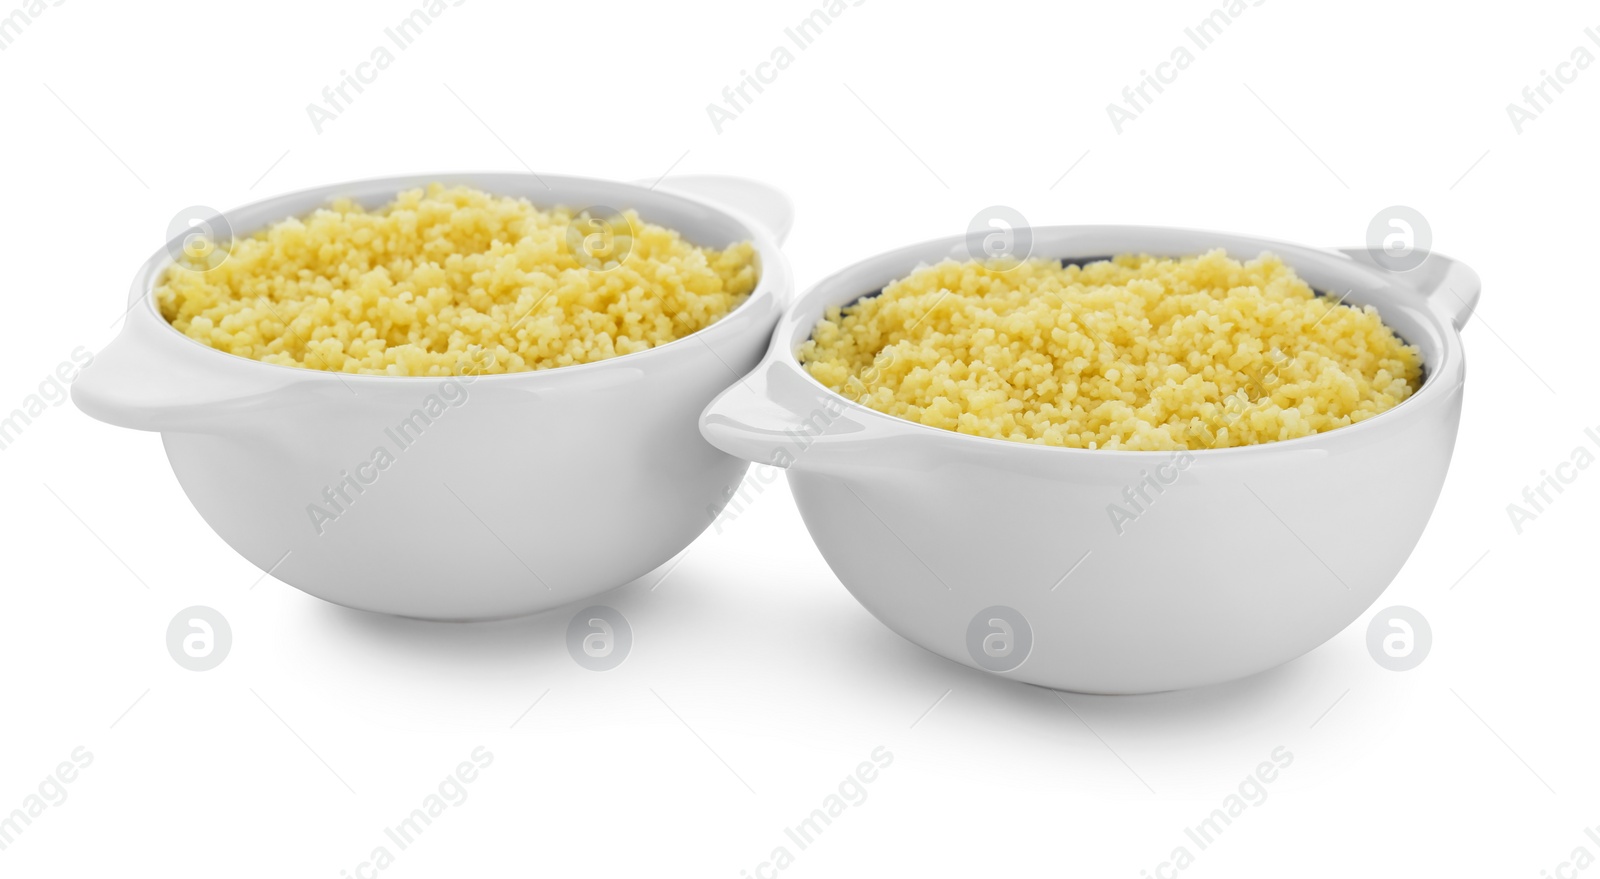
1135 353
450 279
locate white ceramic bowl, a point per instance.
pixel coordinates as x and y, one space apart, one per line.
1004 555
525 491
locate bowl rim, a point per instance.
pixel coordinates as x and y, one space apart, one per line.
771 264
1448 360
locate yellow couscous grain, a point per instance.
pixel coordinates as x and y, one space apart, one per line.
1135 353
444 280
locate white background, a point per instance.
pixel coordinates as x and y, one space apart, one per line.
756 684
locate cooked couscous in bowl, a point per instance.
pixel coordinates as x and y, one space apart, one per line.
442 280
318 383
1135 353
973 473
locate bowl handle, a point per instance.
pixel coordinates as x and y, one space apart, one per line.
145 382
1449 285
777 415
758 201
